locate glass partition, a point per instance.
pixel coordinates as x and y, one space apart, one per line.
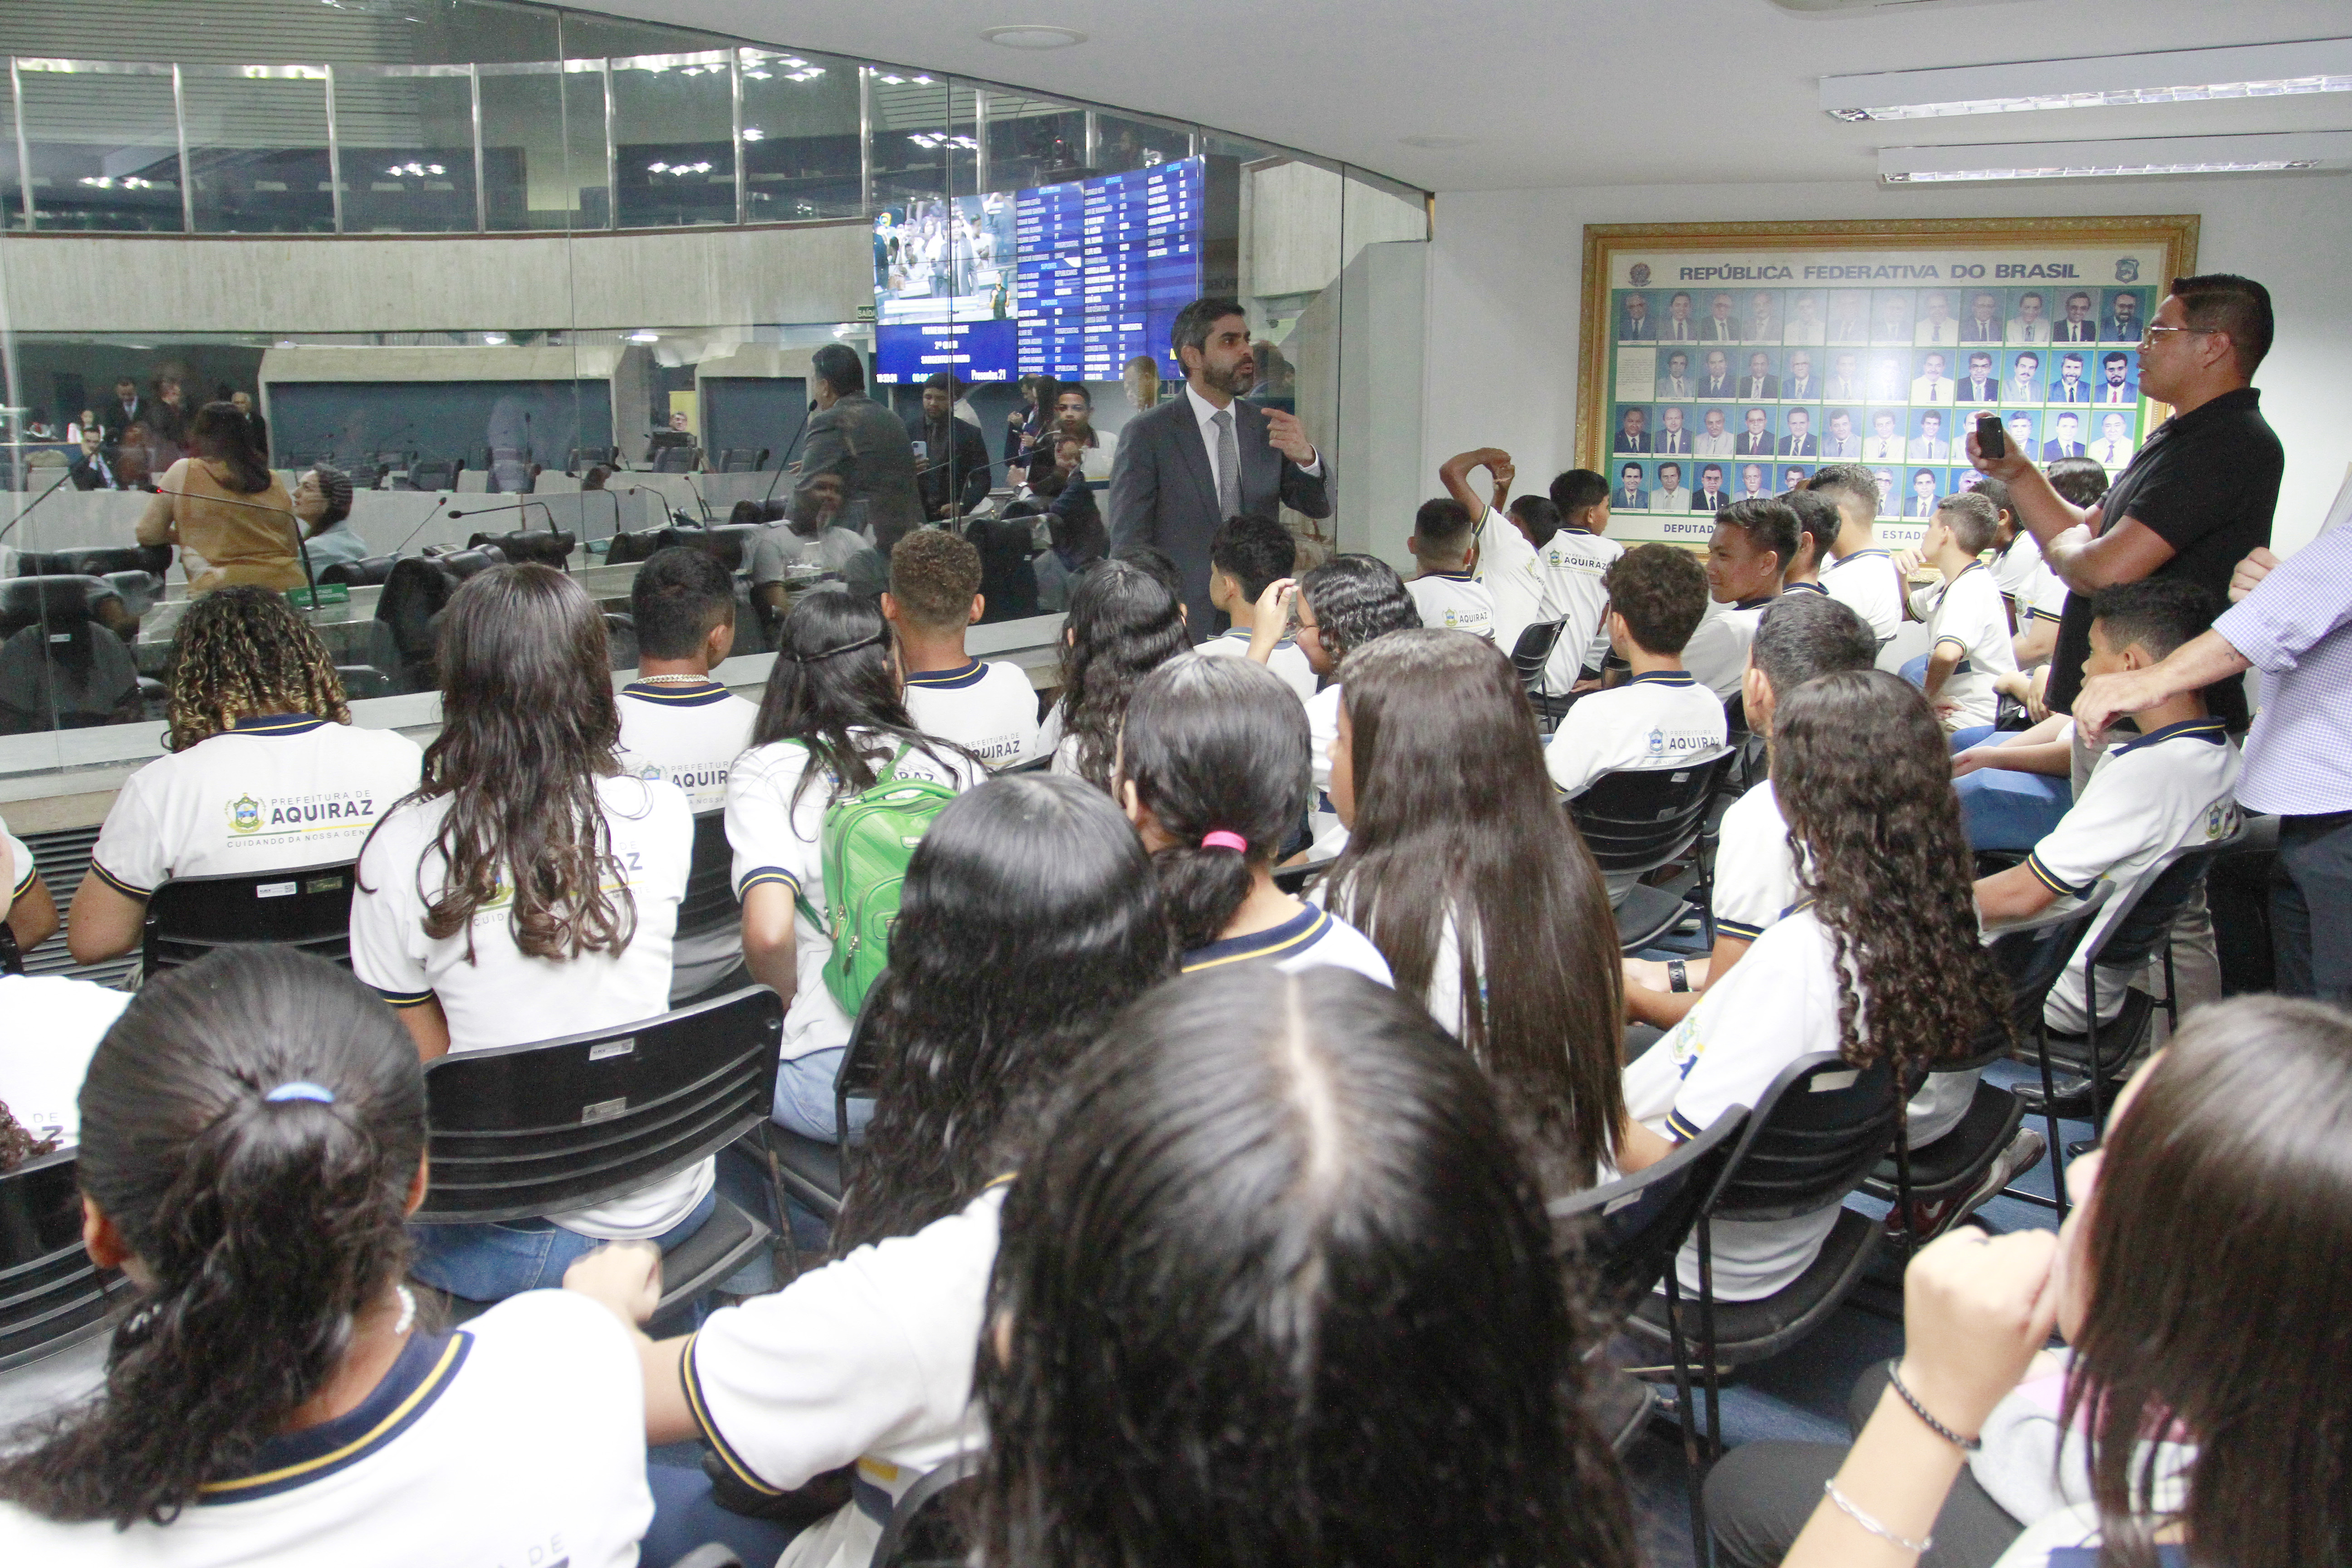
404 137
104 141
674 140
803 147
259 160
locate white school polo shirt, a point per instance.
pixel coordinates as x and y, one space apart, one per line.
2172 789
21 868
689 732
2014 567
1754 875
1717 653
519 1438
498 995
989 709
1455 601
1289 660
2044 597
867 1359
54 1027
1662 719
1866 582
1309 938
288 789
1507 565
1572 564
776 838
1970 616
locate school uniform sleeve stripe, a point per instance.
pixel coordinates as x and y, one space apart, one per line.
761 874
127 889
24 879
1736 931
1680 1128
2051 880
404 998
691 1379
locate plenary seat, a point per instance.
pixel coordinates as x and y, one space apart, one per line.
305 907
52 1295
1637 820
1529 656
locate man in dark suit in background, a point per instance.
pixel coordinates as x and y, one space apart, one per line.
1798 386
123 410
953 472
1204 456
90 470
1981 386
2123 324
863 442
1798 442
1720 328
1983 325
2067 442
1679 327
1759 381
2078 327
1637 327
1630 496
1718 381
1709 497
1632 432
1755 441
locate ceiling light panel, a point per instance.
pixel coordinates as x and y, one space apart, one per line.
2120 159
2180 76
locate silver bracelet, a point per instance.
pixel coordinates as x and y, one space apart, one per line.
1845 1506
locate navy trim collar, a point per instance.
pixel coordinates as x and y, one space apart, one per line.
2210 730
675 696
1243 635
275 724
1665 678
1754 604
1451 576
970 674
1789 588
421 1372
1301 930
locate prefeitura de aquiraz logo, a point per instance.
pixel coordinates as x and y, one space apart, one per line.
244 814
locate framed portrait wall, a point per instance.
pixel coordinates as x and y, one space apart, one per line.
1722 361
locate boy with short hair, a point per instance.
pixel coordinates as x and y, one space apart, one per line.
1968 624
1817 529
1859 574
1662 717
2172 788
1754 541
1246 553
678 723
1447 593
991 710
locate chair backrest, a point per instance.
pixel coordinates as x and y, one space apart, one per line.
2145 924
1294 878
1636 820
1626 1233
923 1529
435 474
308 907
1533 650
60 601
517 1132
2031 954
370 571
677 459
49 1290
1812 1136
709 903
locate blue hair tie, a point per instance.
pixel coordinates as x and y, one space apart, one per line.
300 1090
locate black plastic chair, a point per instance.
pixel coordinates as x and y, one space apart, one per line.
522 1131
1811 1138
435 474
677 459
370 573
1034 765
581 458
1529 656
709 903
742 460
1293 879
812 1170
922 1531
307 906
52 1295
1637 820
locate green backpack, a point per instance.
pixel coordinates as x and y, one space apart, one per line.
868 837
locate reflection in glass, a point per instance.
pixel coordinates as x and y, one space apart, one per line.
1034 141
405 136
1121 143
257 149
674 140
105 146
801 156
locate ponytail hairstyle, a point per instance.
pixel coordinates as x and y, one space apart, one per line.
263 1226
1123 623
1863 773
834 690
1354 598
1216 745
1456 820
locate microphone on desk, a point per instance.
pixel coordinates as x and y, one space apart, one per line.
785 461
521 506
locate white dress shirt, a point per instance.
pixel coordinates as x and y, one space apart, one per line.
1205 414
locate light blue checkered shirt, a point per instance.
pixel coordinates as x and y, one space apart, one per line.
2296 628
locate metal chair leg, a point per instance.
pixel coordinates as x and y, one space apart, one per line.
1903 1178
2091 1034
1691 1474
1707 1339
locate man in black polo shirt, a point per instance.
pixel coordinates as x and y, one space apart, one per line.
2195 500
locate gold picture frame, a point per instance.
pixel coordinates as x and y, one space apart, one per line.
1909 366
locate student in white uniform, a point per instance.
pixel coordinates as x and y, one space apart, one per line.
1817 530
1438 772
1506 539
1754 541
1571 563
1031 916
2172 788
30 913
1228 1266
1213 772
1447 591
1861 575
1848 752
1124 623
266 771
2250 1105
831 725
252 1135
678 723
1967 627
528 890
988 710
1662 717
1248 554
1348 603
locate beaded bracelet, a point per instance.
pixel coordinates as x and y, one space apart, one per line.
1845 1506
1965 1444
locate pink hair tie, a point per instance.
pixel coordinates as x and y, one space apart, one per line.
1220 839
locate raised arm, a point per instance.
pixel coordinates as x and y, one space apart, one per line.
2084 559
1456 471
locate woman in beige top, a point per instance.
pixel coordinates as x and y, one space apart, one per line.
230 516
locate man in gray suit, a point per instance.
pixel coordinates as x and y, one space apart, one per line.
1184 467
854 436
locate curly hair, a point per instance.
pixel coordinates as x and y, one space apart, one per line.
1355 599
1863 774
933 575
1123 623
1662 593
17 1143
243 653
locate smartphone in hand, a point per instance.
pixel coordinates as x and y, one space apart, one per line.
1991 440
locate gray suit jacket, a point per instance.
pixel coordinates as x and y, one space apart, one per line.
1163 494
867 445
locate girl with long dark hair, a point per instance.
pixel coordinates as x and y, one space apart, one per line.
832 724
1212 771
252 1137
529 889
1454 827
1030 914
1280 1290
1335 608
1123 623
1880 962
267 770
228 511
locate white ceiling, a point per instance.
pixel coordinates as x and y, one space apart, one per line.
1550 92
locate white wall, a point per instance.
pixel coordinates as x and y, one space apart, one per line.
1506 282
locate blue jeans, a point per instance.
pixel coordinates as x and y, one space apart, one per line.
804 1097
2003 809
1915 671
685 1517
492 1262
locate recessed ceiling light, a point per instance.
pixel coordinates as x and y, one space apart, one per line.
2178 76
1436 143
1033 36
643 335
2137 157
